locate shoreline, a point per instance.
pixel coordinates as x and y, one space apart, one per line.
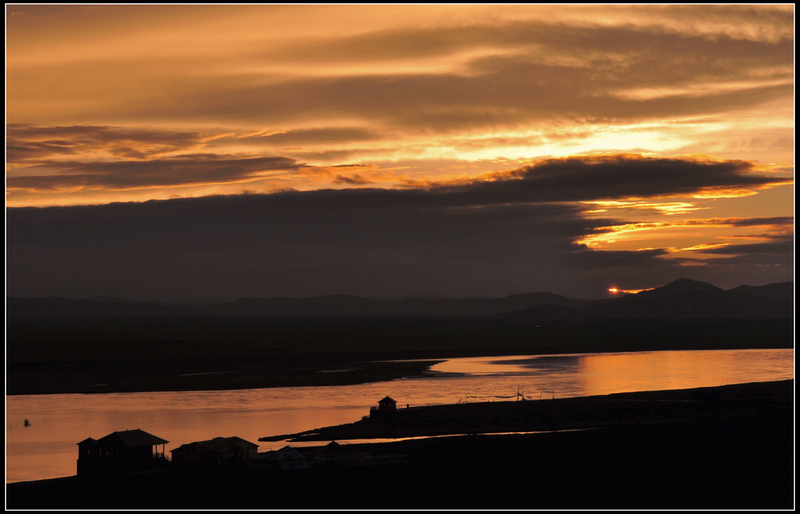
177 376
574 413
71 355
254 372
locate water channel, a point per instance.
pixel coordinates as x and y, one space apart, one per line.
47 446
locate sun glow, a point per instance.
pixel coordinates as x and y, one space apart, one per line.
615 290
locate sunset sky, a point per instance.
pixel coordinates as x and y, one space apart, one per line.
211 152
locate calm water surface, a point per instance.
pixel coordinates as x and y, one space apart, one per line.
48 448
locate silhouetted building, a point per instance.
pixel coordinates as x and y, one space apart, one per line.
215 451
285 458
121 452
336 456
385 406
88 456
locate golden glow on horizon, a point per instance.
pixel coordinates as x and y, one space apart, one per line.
667 208
688 236
615 290
724 193
698 90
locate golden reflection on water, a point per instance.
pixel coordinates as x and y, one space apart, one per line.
483 365
48 448
608 373
669 370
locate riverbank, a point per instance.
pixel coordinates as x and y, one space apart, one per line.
582 413
103 355
728 447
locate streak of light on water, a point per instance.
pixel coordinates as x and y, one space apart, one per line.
345 442
47 448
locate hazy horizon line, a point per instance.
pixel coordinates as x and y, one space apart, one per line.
421 295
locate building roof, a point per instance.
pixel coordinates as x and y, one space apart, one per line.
285 453
86 441
388 400
131 439
223 444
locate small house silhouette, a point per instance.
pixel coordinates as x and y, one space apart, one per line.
215 451
286 458
385 406
120 452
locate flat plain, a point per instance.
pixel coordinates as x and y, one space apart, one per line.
100 355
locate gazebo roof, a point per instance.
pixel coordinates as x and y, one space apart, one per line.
132 439
285 453
222 444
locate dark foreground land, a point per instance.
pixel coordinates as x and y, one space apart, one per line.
104 354
729 447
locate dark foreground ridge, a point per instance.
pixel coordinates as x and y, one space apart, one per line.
729 447
105 345
106 355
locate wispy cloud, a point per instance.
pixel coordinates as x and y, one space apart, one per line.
135 162
182 171
437 73
25 142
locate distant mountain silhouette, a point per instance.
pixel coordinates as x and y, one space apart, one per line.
779 291
680 286
98 306
682 298
685 298
700 304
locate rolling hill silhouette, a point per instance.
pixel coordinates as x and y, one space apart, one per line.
689 299
97 306
682 298
686 298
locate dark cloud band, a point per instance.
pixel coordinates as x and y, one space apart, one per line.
460 241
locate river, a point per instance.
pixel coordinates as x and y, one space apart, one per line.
47 447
